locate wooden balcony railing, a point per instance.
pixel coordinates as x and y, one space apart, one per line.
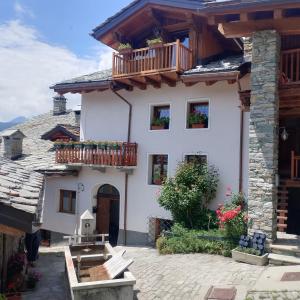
168 57
295 159
119 155
290 67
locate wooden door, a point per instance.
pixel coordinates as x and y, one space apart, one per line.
103 215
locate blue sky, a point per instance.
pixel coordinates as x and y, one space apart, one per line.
44 42
63 22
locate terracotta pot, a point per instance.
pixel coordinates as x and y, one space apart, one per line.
16 296
125 51
199 125
157 181
157 45
157 127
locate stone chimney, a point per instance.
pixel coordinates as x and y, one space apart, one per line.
59 105
11 144
77 113
247 48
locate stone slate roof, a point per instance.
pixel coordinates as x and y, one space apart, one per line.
38 154
70 130
20 188
9 132
226 64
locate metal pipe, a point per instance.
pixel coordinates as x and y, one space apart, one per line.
241 142
126 174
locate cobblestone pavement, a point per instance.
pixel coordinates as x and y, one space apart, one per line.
53 284
274 295
187 276
177 277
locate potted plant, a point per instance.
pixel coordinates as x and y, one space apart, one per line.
197 120
58 145
125 48
78 145
249 256
100 146
155 43
32 278
69 145
160 123
90 145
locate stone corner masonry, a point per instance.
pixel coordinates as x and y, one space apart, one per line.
263 133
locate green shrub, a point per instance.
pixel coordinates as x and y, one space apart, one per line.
188 194
182 240
248 251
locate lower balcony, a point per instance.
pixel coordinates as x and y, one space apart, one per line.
103 154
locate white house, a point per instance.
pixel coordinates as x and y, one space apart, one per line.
122 107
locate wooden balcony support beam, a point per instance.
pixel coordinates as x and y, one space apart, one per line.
155 83
168 80
138 84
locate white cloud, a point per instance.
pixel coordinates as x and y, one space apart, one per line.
21 10
29 66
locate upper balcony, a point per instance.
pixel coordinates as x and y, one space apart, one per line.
161 59
101 154
290 67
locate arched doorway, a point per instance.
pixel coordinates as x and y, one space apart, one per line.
108 212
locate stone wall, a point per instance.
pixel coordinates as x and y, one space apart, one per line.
263 131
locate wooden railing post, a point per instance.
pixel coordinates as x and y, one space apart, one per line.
177 55
292 165
113 64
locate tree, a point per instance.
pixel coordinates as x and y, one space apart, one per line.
188 194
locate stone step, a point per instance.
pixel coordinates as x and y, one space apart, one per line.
282 225
284 211
290 250
282 260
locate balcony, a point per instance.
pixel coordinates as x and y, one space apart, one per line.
104 154
290 67
167 59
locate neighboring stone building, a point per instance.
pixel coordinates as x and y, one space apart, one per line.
21 208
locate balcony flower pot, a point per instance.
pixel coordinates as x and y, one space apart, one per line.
58 146
90 146
249 258
78 146
125 49
198 125
157 127
69 146
156 45
13 296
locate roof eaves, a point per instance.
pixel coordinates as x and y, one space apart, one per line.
219 6
68 87
136 5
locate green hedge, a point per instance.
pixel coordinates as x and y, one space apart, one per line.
182 240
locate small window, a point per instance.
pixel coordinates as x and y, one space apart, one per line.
159 170
160 117
198 114
67 202
196 158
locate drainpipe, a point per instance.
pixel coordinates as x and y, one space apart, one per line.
126 174
3 254
241 142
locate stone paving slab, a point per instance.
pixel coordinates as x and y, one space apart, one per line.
273 295
158 277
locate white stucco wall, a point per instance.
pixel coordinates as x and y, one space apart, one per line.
105 117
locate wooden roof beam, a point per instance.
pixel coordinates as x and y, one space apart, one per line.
138 84
165 79
155 83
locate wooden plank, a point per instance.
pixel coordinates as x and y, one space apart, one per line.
10 231
285 26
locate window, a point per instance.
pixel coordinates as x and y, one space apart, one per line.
198 114
159 170
197 158
67 202
160 117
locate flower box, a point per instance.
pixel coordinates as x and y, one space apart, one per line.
126 51
199 125
156 45
250 258
157 127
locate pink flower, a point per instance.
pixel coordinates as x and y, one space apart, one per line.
228 192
